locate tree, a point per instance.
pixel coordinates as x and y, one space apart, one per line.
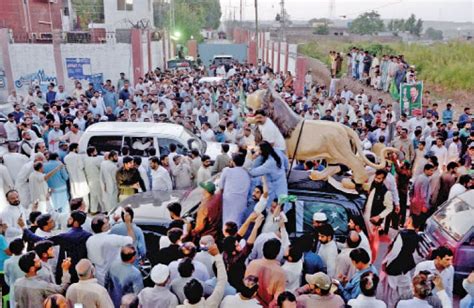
390 25
410 24
418 28
212 13
322 29
433 34
367 23
189 20
190 17
414 26
160 13
88 11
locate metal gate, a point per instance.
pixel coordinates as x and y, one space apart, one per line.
208 51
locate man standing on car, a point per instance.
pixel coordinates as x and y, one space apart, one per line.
129 179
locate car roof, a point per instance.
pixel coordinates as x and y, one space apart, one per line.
210 79
136 127
151 205
467 197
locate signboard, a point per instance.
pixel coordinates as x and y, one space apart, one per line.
78 68
97 80
411 97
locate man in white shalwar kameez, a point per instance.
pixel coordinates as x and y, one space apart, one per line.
77 176
108 182
14 160
21 183
92 170
6 184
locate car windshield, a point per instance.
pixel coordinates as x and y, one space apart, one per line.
222 60
187 135
456 218
336 215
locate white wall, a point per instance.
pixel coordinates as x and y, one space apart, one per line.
36 62
3 81
32 62
108 59
293 53
114 19
282 56
157 54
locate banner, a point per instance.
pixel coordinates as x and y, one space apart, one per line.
410 97
78 68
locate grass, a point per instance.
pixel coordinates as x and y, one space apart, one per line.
449 65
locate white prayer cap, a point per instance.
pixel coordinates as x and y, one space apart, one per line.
318 216
160 273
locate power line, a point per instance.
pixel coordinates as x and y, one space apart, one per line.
374 8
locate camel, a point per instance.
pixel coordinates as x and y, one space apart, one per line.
331 141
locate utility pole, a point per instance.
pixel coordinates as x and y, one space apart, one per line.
332 9
241 11
172 16
282 21
256 25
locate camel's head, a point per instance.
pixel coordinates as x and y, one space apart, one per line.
256 101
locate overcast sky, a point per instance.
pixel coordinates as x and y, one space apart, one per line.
448 10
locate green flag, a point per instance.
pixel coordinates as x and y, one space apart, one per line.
394 91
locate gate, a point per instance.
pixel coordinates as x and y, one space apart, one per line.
208 51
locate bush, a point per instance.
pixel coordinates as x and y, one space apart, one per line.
321 30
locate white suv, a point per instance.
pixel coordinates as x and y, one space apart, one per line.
140 136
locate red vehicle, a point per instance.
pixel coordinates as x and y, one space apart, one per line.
452 225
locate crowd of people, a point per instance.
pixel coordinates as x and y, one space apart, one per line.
379 71
60 244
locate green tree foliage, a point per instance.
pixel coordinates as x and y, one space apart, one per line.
418 27
191 16
367 23
189 20
88 11
212 13
321 29
396 25
160 13
433 34
411 25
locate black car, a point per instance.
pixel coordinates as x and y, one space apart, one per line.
337 206
152 216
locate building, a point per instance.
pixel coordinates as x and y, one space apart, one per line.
126 14
31 20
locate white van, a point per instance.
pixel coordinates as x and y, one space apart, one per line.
140 136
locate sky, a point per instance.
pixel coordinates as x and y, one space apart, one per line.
448 10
